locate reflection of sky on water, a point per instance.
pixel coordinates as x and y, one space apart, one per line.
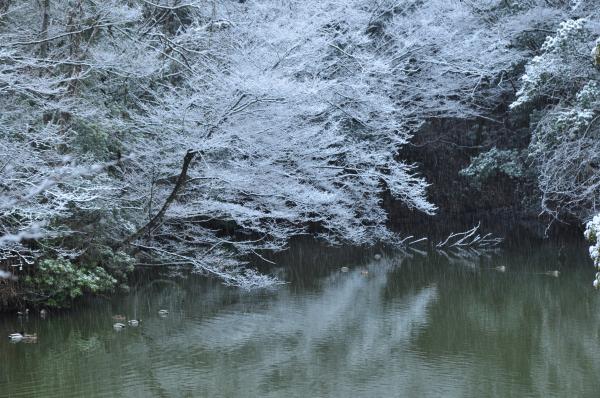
337 339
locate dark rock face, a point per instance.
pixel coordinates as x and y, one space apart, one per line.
506 206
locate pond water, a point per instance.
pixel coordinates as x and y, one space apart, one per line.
405 326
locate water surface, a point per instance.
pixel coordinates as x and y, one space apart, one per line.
406 326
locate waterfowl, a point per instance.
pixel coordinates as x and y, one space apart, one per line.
501 268
43 313
364 273
15 337
377 256
134 322
119 317
119 326
554 273
23 313
30 338
344 269
163 312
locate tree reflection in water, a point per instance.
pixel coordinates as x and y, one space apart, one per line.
408 326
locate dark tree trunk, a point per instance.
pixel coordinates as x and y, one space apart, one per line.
154 221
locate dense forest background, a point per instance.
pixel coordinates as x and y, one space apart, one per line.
202 133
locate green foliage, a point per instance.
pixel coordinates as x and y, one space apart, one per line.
562 125
60 281
493 163
589 96
117 263
93 139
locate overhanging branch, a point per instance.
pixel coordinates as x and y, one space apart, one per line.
187 159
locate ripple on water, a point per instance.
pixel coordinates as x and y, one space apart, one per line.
423 329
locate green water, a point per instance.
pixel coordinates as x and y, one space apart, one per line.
420 326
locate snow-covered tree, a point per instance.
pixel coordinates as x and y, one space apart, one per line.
564 143
591 233
200 133
285 116
294 125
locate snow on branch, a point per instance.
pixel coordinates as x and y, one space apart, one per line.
298 112
470 239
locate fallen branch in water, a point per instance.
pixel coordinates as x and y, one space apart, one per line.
469 239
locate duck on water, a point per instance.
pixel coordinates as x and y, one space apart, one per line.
22 336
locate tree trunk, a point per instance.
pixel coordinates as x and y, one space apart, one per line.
187 159
45 22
